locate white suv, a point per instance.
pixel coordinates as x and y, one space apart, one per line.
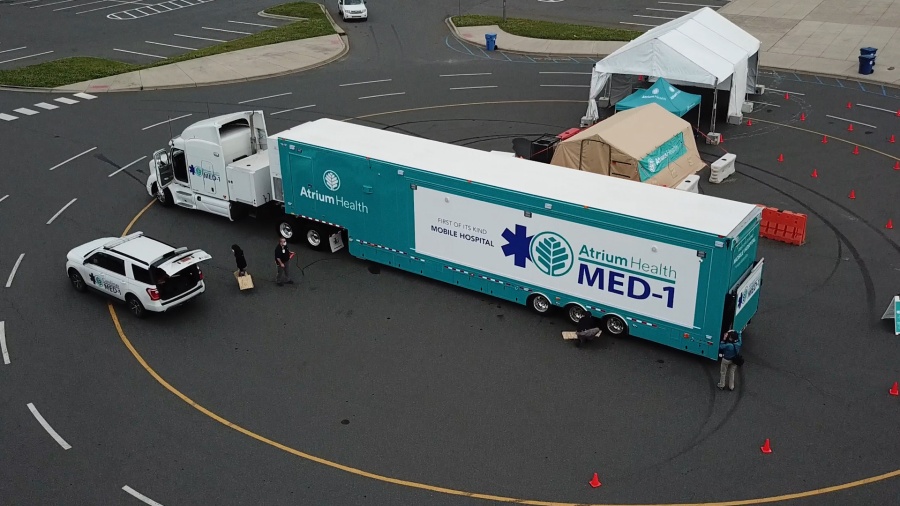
353 9
149 275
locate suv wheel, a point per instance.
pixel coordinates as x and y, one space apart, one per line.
77 281
135 306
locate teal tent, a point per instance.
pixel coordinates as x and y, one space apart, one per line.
664 94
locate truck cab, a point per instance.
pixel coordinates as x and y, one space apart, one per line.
219 165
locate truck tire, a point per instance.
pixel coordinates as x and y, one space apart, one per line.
539 304
316 238
575 312
615 325
165 199
286 229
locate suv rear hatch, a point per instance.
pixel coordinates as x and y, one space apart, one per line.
178 272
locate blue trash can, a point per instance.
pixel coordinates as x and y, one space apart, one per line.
865 51
866 64
490 40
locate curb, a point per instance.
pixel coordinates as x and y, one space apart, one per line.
338 30
453 30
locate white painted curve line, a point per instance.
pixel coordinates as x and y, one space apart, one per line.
565 86
125 167
74 157
171 45
383 95
294 109
142 54
877 108
29 56
226 31
253 24
850 121
139 496
263 98
571 73
785 91
61 211
12 274
198 38
3 198
48 428
79 5
110 7
49 4
3 343
472 87
767 103
13 49
464 75
164 122
366 82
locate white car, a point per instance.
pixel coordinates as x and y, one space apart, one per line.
147 274
353 9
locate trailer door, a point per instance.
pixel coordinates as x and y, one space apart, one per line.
298 183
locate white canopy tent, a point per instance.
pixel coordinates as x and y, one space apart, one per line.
702 48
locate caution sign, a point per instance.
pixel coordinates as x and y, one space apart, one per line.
893 311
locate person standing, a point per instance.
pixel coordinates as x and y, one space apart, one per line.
730 352
283 261
239 259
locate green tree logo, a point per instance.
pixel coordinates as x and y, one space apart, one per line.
332 181
552 254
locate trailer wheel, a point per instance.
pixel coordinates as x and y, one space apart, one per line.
539 303
615 325
575 313
286 230
314 238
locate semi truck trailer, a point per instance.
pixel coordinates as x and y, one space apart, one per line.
673 267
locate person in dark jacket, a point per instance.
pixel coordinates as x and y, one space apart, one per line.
588 329
730 352
239 259
282 262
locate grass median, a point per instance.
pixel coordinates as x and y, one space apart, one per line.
313 23
547 29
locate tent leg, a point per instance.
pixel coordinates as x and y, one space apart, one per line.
712 120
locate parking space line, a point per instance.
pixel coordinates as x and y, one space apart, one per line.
26 111
573 73
25 2
86 96
365 82
3 343
565 86
263 98
473 87
294 109
125 167
7 117
253 24
166 121
652 17
45 105
463 75
142 54
383 95
170 45
13 49
61 211
12 274
691 5
228 31
58 165
668 10
48 428
139 496
877 108
64 100
135 2
80 5
199 38
635 24
4 197
850 121
49 4
23 57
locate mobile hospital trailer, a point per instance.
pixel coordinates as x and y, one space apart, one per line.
672 267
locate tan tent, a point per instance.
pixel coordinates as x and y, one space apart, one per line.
647 144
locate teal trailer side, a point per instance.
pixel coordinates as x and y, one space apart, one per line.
659 281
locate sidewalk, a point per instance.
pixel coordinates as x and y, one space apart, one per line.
244 65
801 35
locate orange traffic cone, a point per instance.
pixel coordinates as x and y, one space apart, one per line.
849 105
786 96
802 116
855 150
850 128
815 173
892 139
749 122
595 481
824 139
766 447
890 225
852 194
898 112
895 390
780 157
897 165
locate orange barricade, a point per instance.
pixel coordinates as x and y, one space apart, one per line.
783 226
